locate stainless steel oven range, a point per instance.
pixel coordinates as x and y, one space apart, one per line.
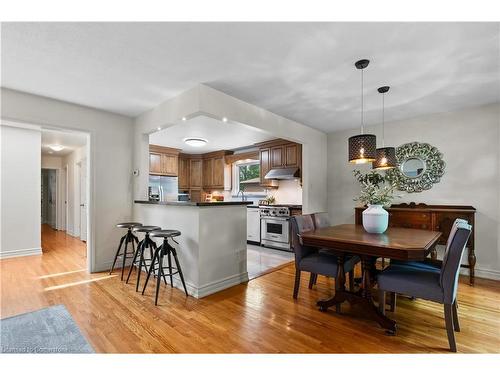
275 227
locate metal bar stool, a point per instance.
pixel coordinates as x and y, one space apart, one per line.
128 238
157 262
145 243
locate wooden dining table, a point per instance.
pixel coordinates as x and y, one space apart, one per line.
350 239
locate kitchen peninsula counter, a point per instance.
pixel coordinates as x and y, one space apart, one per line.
212 247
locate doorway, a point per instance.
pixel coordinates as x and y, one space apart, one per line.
64 190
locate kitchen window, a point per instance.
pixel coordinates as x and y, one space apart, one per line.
246 178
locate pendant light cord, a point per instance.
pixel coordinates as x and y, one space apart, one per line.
383 120
362 110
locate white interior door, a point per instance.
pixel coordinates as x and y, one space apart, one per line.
83 200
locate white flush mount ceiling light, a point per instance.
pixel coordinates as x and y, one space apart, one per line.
224 119
184 119
195 142
56 147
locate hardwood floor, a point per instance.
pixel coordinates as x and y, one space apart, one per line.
257 317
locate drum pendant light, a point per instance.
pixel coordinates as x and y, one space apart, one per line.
386 156
362 147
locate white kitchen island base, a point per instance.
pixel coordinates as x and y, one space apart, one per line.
212 247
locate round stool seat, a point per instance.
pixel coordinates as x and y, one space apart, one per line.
145 228
165 233
128 225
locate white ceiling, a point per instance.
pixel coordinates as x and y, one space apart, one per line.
70 140
302 71
220 135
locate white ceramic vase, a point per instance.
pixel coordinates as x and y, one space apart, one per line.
375 219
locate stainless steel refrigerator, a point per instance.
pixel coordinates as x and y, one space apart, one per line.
163 188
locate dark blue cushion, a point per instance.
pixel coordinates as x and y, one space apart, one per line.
325 264
424 265
412 281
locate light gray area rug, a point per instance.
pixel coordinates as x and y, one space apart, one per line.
49 330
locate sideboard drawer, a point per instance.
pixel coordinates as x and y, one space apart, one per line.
416 220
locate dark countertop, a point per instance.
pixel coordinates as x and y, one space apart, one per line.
194 204
292 206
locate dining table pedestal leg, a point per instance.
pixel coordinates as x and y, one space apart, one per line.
362 297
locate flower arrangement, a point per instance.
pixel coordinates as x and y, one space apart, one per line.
375 188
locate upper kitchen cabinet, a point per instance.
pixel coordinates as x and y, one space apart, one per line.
163 161
277 154
155 163
277 158
195 173
184 172
293 155
218 171
213 169
265 166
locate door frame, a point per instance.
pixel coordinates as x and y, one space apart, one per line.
80 164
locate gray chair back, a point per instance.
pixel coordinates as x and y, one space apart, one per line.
453 257
301 224
321 220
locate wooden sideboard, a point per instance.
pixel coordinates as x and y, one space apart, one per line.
431 217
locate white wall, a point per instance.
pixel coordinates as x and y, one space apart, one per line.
470 142
20 191
109 162
71 162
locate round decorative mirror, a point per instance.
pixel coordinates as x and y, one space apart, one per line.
413 167
420 165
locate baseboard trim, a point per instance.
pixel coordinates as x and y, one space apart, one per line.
20 253
218 285
484 273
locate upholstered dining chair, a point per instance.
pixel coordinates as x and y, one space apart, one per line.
311 260
438 285
321 220
426 264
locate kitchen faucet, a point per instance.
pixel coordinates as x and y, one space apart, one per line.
243 199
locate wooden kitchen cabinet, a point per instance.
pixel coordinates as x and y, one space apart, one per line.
218 172
208 173
183 172
195 195
155 166
195 173
163 161
170 164
293 153
265 166
276 154
277 159
213 170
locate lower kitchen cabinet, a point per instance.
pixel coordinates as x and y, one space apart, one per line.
195 195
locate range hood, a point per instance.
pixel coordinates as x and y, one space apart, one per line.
283 174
